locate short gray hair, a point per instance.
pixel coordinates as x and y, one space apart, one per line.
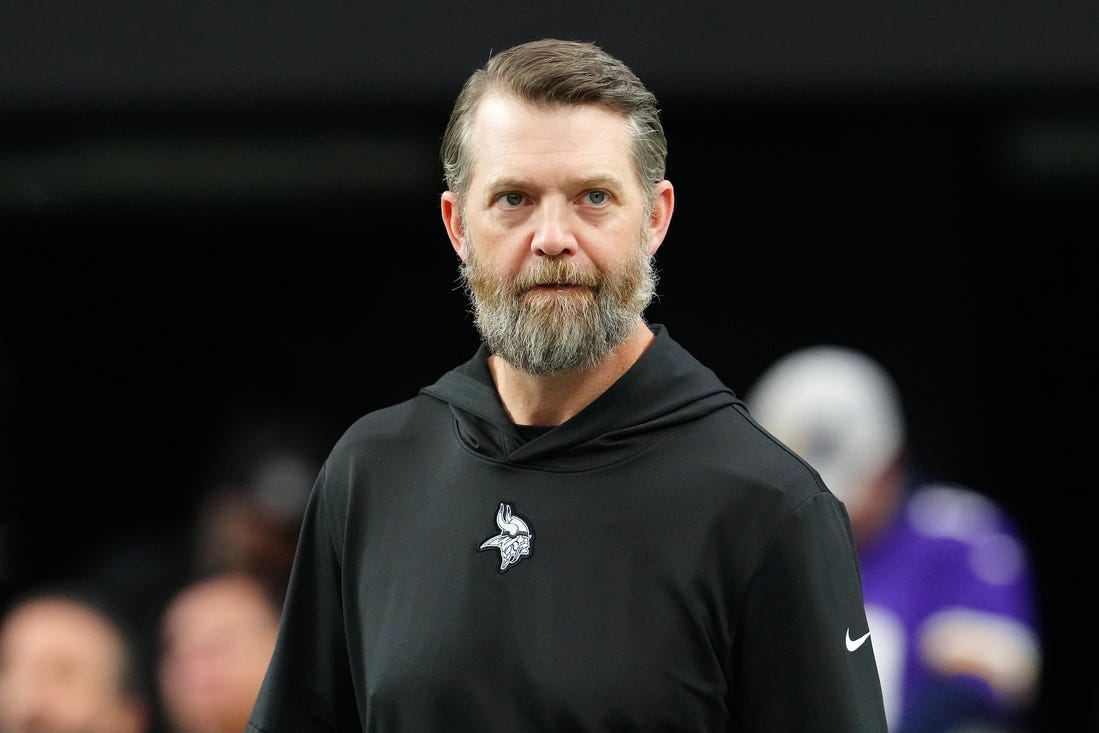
551 72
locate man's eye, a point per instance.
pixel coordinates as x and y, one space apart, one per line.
597 197
512 199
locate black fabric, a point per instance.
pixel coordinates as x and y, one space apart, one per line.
530 432
656 563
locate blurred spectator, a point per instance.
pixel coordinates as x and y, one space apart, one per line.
244 510
250 524
946 575
217 637
248 517
67 665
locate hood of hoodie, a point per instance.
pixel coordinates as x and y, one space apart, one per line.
666 387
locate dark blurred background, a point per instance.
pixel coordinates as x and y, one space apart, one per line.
222 217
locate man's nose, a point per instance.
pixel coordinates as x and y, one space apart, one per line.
553 229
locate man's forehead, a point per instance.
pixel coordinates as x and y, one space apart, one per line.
586 142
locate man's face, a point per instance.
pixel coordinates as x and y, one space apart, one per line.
60 666
217 639
554 235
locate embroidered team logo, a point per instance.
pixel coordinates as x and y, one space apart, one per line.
514 540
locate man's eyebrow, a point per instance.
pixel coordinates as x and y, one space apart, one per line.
507 183
504 183
596 182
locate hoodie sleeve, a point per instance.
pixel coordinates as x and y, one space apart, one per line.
308 687
804 660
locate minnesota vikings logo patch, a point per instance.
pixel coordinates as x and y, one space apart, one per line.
514 540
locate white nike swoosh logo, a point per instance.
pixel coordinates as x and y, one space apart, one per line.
853 644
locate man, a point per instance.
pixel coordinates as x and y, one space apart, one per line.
67 665
946 575
217 634
580 528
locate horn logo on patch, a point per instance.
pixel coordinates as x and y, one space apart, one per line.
515 538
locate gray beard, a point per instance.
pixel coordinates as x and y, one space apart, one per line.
547 332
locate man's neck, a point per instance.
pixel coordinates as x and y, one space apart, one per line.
554 398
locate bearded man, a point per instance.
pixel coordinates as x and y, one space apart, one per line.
580 528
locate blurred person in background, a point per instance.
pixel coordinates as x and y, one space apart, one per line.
217 636
248 504
946 575
251 525
250 511
68 665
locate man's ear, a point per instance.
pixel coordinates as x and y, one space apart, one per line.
452 221
661 218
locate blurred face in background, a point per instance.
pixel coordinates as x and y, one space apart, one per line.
62 667
217 638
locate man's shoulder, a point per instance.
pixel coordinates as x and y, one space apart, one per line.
753 463
394 422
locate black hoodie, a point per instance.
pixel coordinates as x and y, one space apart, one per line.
658 562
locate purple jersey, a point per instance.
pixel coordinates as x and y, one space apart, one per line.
948 588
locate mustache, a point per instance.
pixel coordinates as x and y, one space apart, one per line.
557 272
